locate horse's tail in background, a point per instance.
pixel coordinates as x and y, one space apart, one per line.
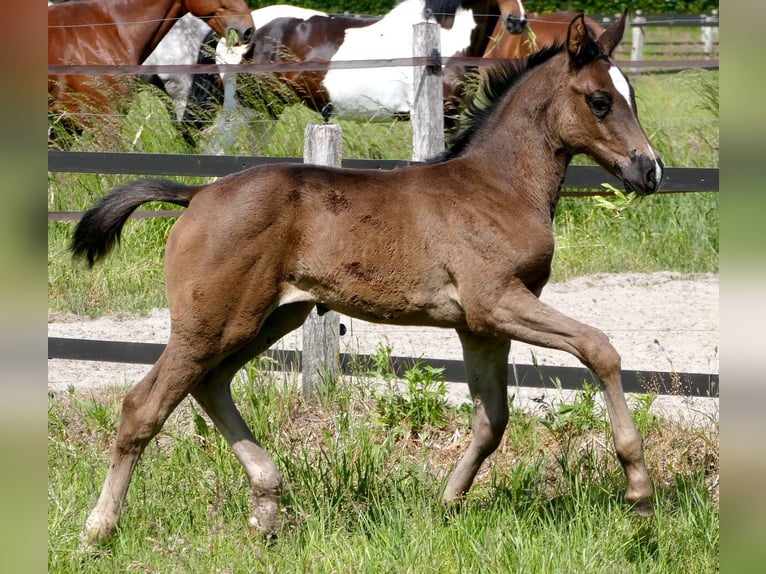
206 93
101 226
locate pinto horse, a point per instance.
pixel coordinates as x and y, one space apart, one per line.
120 32
366 93
191 41
464 241
519 34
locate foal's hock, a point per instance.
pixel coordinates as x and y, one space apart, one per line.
464 241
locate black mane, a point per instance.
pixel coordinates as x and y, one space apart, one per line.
499 81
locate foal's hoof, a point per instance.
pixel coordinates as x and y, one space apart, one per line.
644 508
93 543
265 519
96 534
265 528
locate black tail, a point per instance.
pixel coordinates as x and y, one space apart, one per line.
101 226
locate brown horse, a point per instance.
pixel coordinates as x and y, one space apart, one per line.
120 32
464 241
518 34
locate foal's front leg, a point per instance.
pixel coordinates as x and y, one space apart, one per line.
486 365
520 315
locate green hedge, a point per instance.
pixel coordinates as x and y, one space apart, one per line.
589 6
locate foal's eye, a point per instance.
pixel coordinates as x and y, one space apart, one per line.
600 104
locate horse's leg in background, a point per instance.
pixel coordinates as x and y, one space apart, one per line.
145 408
227 126
486 365
523 317
214 395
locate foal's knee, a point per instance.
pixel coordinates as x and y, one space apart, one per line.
140 421
600 355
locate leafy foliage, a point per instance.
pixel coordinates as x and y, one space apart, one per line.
577 417
424 402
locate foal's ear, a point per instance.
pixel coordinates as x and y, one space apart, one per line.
581 47
611 36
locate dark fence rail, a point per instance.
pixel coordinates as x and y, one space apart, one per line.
677 180
686 384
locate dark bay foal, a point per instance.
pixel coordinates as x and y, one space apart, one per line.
463 242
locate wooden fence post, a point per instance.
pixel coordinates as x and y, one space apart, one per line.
428 94
707 32
637 48
323 145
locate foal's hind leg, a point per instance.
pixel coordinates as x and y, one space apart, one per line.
144 410
521 316
486 365
214 395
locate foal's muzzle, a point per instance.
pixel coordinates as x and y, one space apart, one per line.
643 174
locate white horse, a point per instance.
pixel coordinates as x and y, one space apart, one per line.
369 93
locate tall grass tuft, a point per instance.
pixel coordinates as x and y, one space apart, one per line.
363 497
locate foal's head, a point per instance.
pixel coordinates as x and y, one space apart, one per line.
596 112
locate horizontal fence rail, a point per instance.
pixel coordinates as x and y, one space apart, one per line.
324 65
571 378
682 23
578 176
676 180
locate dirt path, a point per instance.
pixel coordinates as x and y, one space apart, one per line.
659 321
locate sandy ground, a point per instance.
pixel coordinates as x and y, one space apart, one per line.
659 322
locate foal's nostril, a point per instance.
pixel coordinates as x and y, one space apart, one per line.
248 35
651 179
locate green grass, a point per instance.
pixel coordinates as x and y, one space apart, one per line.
661 232
362 496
